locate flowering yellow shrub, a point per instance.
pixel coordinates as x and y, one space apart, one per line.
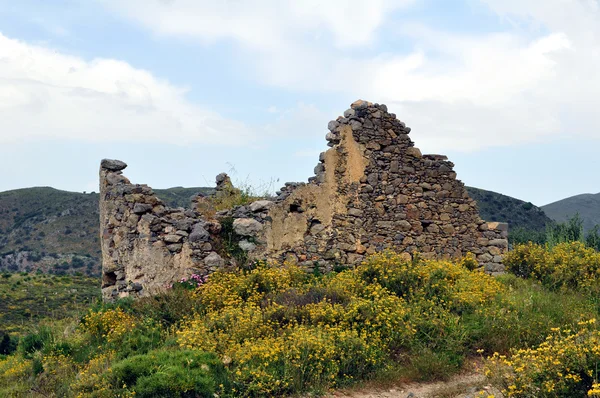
280 329
277 330
378 314
91 380
303 356
109 325
219 331
230 289
450 284
14 369
569 265
527 260
469 261
58 369
565 365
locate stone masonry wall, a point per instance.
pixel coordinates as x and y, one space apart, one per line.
372 190
146 246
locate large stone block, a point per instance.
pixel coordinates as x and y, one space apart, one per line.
247 226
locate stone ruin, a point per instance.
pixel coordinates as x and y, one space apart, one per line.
372 190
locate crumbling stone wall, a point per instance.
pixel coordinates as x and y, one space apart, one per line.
146 246
372 190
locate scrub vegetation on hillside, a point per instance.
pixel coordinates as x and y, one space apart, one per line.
274 330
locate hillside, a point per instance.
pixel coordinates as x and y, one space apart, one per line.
587 205
57 231
26 300
517 213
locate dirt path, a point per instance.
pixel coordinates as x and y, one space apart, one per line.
460 386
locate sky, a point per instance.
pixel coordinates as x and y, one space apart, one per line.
182 90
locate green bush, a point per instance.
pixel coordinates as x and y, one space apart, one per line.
517 236
167 309
37 341
556 233
524 316
566 266
166 373
8 344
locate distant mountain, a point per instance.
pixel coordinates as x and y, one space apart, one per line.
587 205
57 231
517 213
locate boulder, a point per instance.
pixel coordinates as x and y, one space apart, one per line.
260 205
112 164
172 238
136 287
359 104
415 152
116 179
141 208
499 242
199 234
247 226
404 225
214 261
246 246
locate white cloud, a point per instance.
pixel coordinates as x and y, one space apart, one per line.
265 25
46 94
535 79
485 91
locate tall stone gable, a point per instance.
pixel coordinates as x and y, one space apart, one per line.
372 190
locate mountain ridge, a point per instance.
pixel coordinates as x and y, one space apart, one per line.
495 206
587 205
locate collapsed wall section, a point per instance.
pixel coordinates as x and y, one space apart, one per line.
372 190
147 246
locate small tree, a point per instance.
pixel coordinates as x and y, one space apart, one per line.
7 344
569 231
593 238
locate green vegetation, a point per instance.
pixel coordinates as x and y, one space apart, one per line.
227 196
565 363
163 373
275 330
27 300
48 224
230 243
571 230
568 266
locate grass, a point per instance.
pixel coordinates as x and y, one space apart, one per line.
27 300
